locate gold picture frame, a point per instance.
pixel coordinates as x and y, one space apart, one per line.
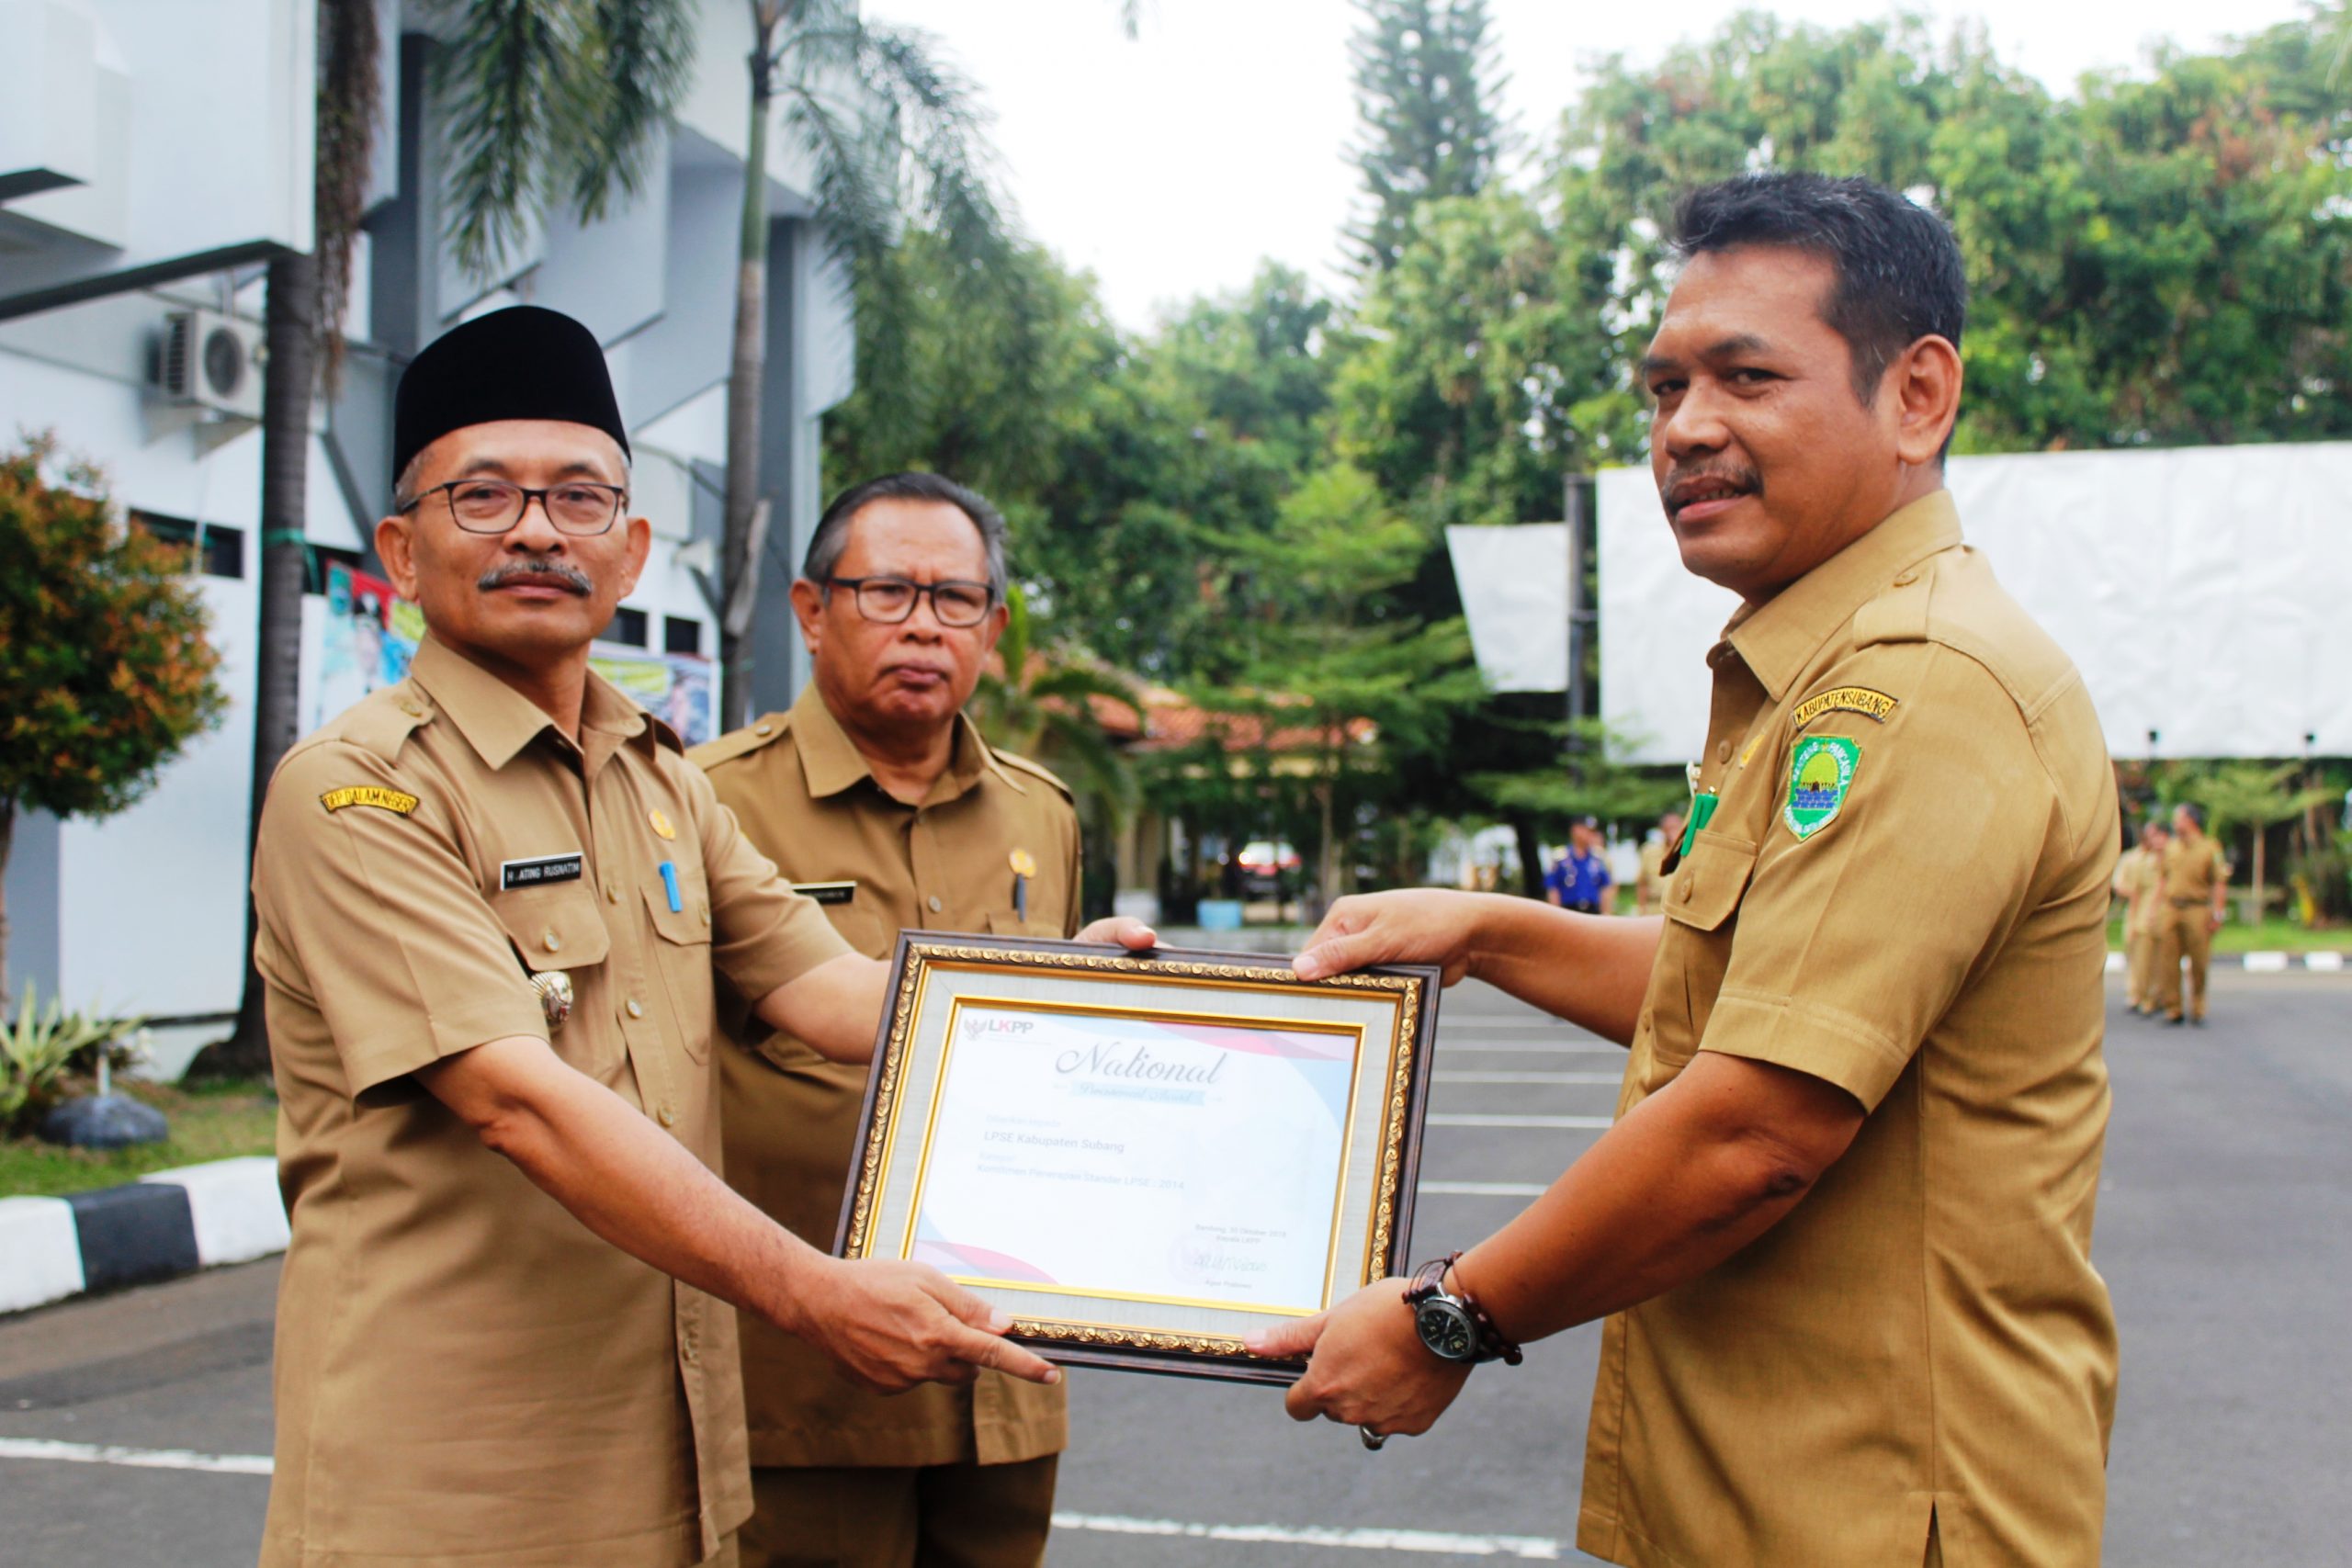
1354 1046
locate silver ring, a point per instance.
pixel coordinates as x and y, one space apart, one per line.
1372 1440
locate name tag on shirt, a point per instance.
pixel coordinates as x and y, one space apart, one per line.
826 892
539 871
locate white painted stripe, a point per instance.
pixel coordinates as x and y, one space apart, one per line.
2266 963
236 1207
1454 1047
41 1252
2116 963
1447 1075
1482 1189
1527 1548
1471 1119
2324 963
135 1459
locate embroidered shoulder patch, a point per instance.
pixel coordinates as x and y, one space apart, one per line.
1872 706
1821 771
399 802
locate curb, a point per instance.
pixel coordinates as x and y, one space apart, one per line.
2262 962
172 1222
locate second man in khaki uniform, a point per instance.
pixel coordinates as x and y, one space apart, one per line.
880 800
2196 884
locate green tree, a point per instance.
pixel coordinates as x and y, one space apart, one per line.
1426 81
1041 704
104 673
1327 655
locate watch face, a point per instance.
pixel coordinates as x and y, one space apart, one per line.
1445 1328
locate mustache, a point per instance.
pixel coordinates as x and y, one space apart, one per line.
1740 476
543 569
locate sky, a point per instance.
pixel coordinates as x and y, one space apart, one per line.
1169 164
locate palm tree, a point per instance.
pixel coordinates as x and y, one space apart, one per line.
302 331
1043 707
893 136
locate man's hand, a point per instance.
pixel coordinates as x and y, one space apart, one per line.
1368 1368
1419 925
1120 930
895 1325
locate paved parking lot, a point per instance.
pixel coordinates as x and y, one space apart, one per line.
134 1429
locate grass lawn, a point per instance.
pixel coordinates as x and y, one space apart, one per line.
2273 935
212 1121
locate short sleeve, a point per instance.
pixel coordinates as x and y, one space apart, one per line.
378 909
1854 940
765 935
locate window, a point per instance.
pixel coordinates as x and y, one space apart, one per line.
680 635
627 628
224 548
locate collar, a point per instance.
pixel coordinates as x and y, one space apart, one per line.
498 721
1778 638
831 761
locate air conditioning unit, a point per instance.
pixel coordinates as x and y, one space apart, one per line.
213 361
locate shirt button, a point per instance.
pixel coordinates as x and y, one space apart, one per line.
764 730
1723 751
704 911
666 1116
413 709
551 941
935 905
636 1008
1907 579
612 894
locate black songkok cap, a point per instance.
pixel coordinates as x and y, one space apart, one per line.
524 362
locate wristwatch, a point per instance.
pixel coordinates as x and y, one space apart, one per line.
1454 1328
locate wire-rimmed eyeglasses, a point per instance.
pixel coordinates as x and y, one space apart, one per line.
889 600
579 507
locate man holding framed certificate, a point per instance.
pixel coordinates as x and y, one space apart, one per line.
881 801
1841 1225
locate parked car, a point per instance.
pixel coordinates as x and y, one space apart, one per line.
1265 865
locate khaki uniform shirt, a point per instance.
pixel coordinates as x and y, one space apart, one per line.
1923 1338
2143 882
2192 870
1649 887
805 796
465 1374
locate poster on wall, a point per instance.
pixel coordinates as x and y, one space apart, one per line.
371 633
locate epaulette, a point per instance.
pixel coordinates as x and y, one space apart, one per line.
765 730
1034 769
381 723
1900 613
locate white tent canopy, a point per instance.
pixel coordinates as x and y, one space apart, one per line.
2205 593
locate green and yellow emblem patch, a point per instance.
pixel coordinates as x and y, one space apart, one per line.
1821 771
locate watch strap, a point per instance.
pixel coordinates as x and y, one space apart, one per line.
1429 1281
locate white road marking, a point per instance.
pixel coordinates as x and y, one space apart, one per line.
135 1459
1484 1189
2266 963
1445 1075
1474 1119
1528 1548
2324 963
1539 1548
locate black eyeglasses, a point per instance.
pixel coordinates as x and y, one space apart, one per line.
579 507
890 600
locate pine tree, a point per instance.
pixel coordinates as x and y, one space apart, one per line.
1426 84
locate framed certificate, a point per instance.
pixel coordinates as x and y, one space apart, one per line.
1142 1158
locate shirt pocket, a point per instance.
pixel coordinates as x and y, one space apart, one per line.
862 929
562 928
1004 922
1695 953
683 955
